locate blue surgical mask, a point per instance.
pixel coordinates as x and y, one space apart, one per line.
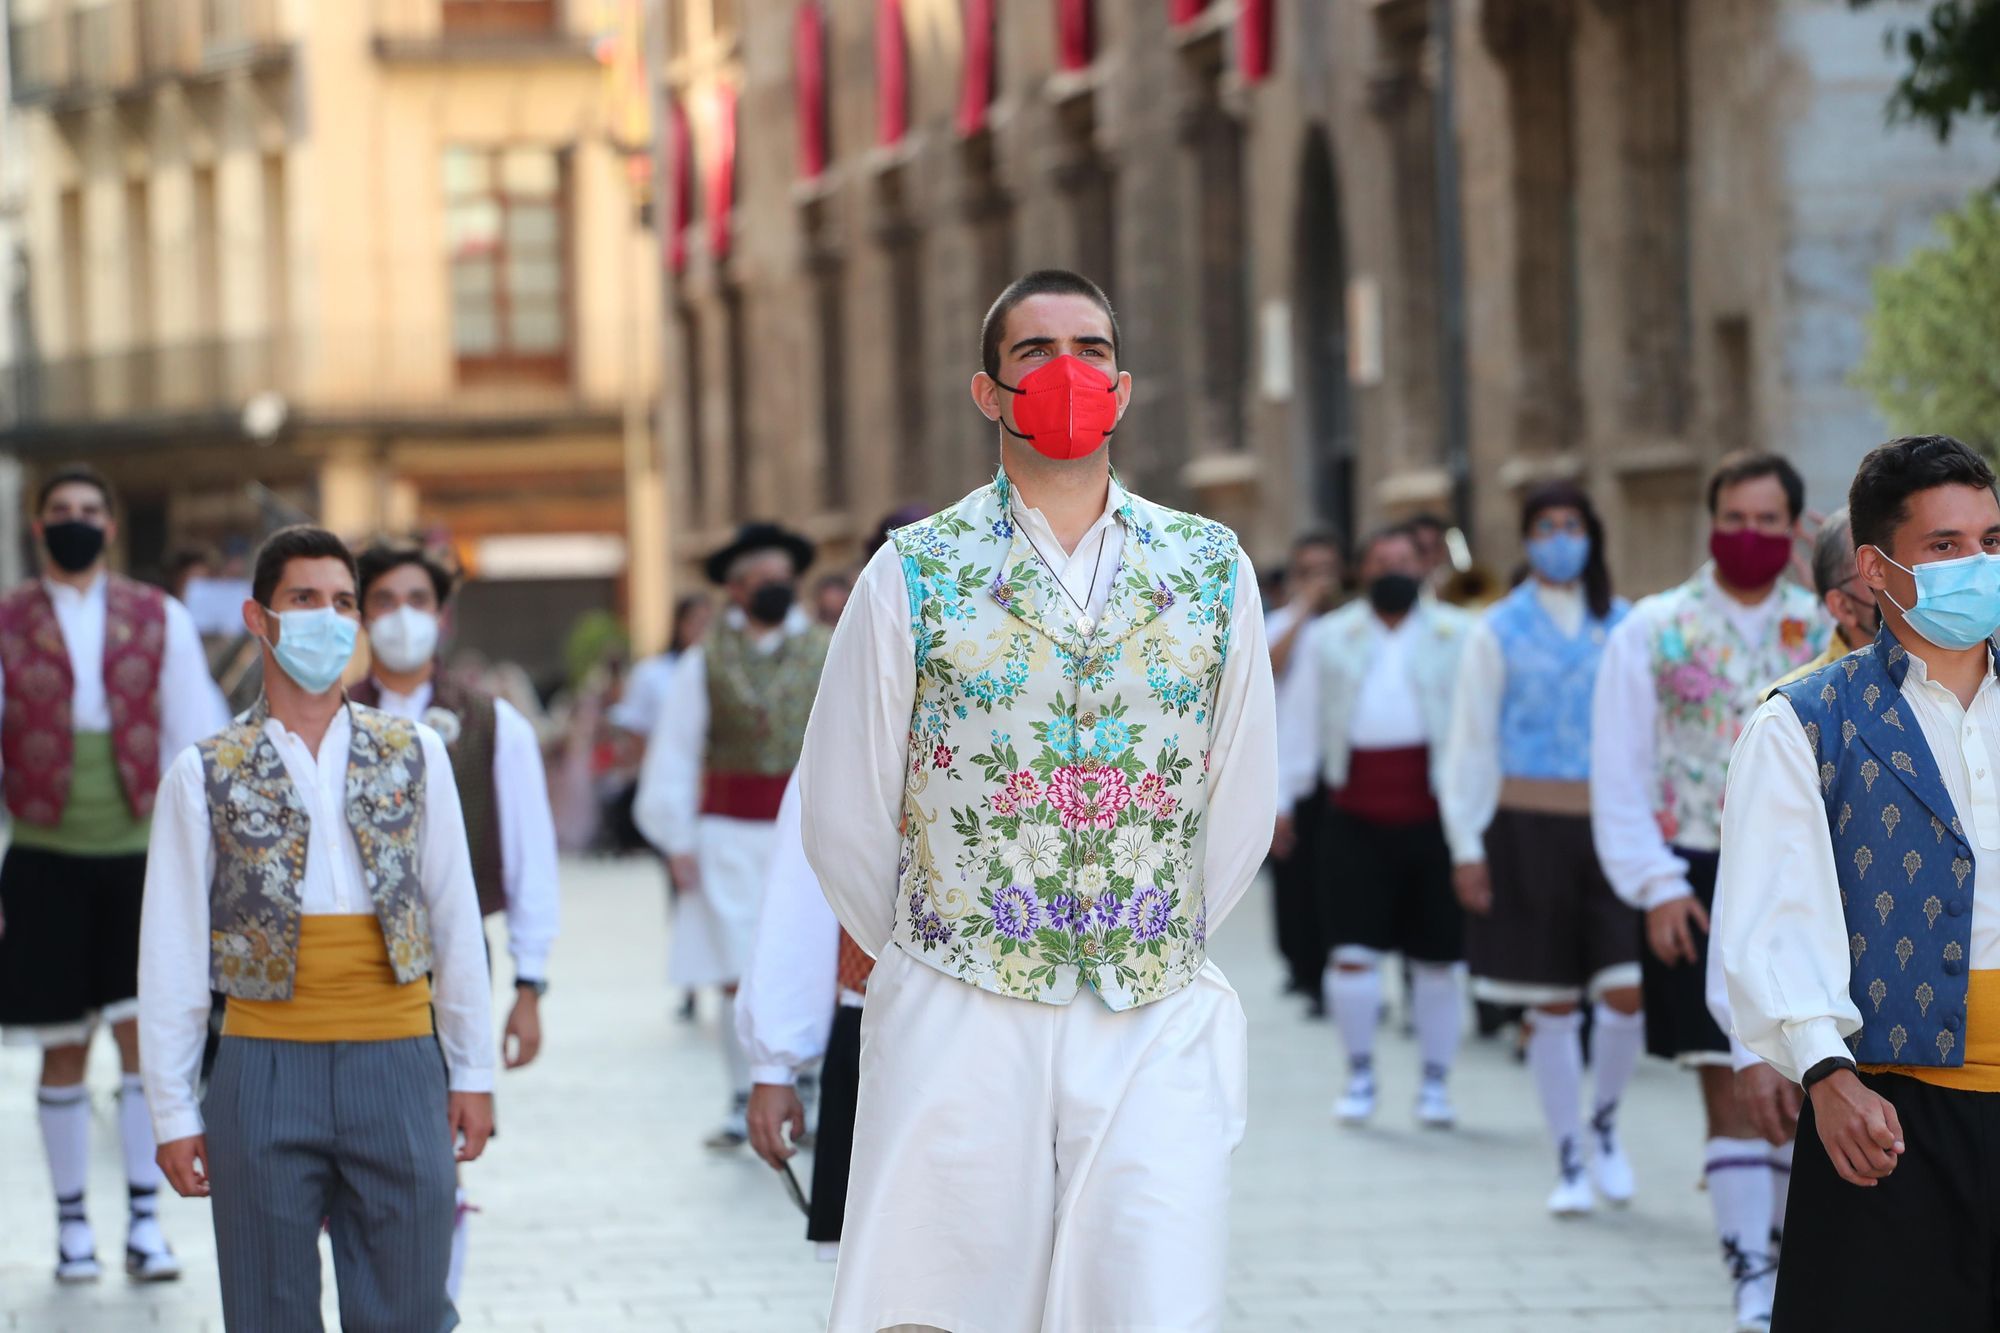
313 646
1560 556
1958 601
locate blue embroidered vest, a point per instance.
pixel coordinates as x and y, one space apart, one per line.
1545 708
1905 862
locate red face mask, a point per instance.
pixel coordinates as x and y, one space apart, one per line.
1065 408
1750 559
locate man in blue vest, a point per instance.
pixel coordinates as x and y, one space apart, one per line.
1858 914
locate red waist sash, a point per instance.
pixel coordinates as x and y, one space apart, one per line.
743 795
1388 786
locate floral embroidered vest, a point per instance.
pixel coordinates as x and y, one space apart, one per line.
260 826
464 719
1708 682
1054 811
758 703
37 746
1904 861
1545 704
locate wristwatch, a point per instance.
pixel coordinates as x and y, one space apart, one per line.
540 988
1833 1064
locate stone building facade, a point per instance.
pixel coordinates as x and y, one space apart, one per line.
382 257
1370 256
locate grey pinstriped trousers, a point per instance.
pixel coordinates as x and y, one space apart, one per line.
352 1132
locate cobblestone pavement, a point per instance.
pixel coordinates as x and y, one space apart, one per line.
603 1212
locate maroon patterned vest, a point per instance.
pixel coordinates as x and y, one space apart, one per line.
37 744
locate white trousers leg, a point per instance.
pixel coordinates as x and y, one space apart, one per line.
1021 1167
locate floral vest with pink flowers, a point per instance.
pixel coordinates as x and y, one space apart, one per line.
1708 681
1054 812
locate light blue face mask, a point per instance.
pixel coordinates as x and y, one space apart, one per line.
1958 601
313 646
1560 556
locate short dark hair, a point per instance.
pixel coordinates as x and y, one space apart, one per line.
1305 541
1879 499
1042 282
1569 495
1426 519
301 541
383 556
1388 532
1746 465
71 474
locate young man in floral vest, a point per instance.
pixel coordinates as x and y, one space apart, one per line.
1679 677
716 768
1858 914
103 682
1042 762
496 763
309 862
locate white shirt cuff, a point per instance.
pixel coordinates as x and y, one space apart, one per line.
1814 1040
1470 852
472 1080
1665 890
177 1125
776 1075
531 964
1741 1057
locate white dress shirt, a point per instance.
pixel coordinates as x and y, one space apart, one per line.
174 919
667 805
1779 932
645 695
1387 712
851 774
784 1006
191 706
1624 754
1388 715
1470 795
529 867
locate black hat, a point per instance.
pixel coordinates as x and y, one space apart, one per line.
754 537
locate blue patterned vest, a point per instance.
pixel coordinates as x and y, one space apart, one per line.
1545 708
1904 860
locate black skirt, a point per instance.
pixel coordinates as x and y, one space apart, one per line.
833 1140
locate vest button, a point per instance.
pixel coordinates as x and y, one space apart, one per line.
1953 1021
1956 907
1087 720
1952 967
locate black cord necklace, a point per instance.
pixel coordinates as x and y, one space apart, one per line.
1097 566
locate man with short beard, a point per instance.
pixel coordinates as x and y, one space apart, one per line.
1038 774
716 768
104 681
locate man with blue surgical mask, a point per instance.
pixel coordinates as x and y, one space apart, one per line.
496 762
309 862
1857 914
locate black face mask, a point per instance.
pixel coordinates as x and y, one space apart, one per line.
1393 594
771 603
73 545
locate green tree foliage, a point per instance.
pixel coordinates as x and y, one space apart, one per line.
1933 359
1953 48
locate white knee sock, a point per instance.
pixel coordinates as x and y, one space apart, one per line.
1439 1009
454 1277
1739 1189
1555 1057
1781 1184
734 1058
1615 1042
65 1119
135 1135
1356 1000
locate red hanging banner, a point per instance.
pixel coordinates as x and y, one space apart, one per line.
680 180
976 90
1253 38
1076 35
892 103
722 173
809 77
1185 11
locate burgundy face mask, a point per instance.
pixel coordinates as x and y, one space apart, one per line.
1066 408
1749 559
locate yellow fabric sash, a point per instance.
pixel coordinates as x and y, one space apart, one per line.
1981 1071
346 990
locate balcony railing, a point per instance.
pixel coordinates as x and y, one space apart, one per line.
439 30
79 51
403 376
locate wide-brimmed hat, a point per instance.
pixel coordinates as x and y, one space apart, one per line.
754 537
